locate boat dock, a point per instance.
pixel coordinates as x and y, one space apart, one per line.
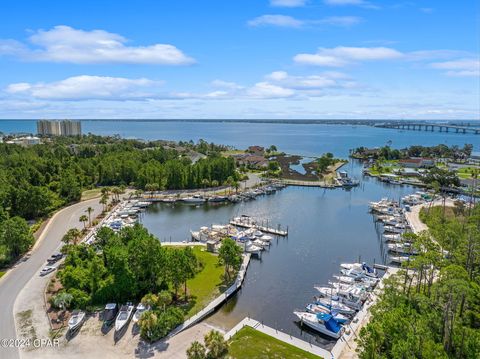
300 183
286 338
214 304
346 345
247 222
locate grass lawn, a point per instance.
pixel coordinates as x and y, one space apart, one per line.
1 274
207 284
249 343
466 172
91 193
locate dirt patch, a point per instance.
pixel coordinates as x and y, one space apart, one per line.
58 318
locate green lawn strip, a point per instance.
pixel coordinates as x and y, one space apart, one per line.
91 193
2 273
249 343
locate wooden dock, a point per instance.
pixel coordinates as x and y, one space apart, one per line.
247 223
300 183
214 304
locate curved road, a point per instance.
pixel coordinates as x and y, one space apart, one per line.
48 242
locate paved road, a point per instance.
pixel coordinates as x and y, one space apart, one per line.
49 241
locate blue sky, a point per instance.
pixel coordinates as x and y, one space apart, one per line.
240 59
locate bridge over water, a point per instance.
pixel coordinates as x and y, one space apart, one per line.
425 126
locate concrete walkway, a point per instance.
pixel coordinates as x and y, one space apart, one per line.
217 301
286 338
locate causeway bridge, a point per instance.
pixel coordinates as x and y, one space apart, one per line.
426 126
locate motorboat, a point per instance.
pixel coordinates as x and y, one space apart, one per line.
141 308
322 323
399 259
253 249
257 233
260 243
109 314
334 306
194 199
266 238
76 320
402 248
124 316
394 229
363 268
317 308
393 237
352 297
218 199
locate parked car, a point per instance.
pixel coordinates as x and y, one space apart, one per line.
55 257
46 270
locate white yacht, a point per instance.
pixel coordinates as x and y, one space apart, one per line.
124 316
322 323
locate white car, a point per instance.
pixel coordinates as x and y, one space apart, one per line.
46 270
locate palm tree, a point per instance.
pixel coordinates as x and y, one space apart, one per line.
89 210
84 219
62 300
103 201
196 351
216 344
229 182
75 234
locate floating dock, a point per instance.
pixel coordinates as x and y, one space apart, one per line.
247 222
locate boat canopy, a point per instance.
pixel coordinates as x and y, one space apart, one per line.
367 268
332 325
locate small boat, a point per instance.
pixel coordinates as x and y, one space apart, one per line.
257 233
124 316
399 259
76 320
317 308
217 199
266 238
392 237
322 323
253 249
109 314
141 308
362 268
194 199
334 306
260 243
402 248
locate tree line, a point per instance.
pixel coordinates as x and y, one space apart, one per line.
38 179
439 151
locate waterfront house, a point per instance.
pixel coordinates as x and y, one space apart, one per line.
256 150
251 161
417 162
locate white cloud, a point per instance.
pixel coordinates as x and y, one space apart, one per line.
459 68
277 75
276 20
268 90
341 56
66 44
288 3
288 21
86 87
341 20
226 84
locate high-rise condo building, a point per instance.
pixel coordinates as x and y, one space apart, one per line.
59 128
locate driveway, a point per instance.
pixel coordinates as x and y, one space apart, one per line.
17 278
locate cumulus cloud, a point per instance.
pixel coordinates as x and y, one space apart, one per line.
86 87
288 3
267 90
459 68
66 44
276 20
342 56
